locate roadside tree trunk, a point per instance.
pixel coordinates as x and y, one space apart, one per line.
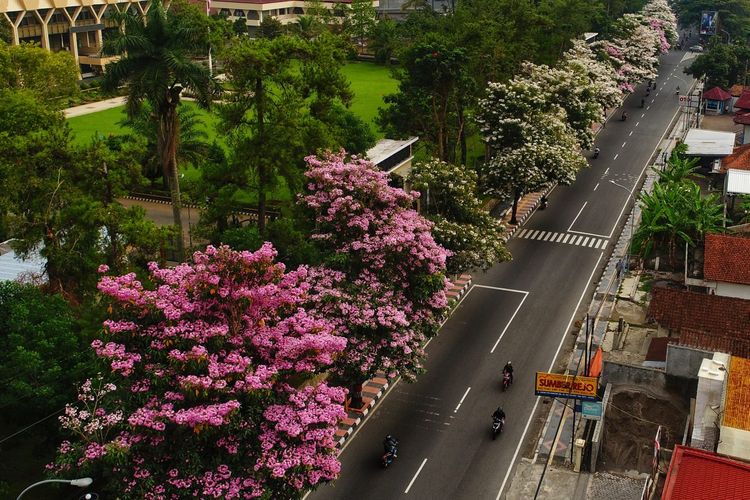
167 149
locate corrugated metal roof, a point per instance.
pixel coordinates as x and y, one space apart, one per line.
385 148
709 142
737 401
701 475
13 267
737 182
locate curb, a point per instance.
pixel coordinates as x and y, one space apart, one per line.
375 388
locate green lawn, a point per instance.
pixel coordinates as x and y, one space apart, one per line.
370 83
106 123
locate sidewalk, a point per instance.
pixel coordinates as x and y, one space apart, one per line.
93 107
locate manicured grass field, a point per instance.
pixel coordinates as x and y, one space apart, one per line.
106 123
369 82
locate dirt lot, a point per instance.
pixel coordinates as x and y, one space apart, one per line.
630 426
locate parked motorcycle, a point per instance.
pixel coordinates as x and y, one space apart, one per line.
497 426
506 381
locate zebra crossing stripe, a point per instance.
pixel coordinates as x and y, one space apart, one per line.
566 238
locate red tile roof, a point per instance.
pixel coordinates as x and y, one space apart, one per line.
744 101
727 258
741 117
717 94
700 475
712 314
739 159
735 344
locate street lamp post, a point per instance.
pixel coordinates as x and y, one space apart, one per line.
82 482
632 222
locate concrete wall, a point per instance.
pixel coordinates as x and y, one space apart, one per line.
596 438
618 374
732 290
735 443
685 361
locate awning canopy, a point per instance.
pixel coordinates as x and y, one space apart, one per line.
737 182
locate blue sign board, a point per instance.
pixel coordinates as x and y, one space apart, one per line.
591 410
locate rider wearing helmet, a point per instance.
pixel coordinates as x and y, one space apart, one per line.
508 368
499 414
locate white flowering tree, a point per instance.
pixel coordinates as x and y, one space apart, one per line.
601 73
474 238
531 141
571 88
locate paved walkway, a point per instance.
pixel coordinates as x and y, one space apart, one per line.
93 107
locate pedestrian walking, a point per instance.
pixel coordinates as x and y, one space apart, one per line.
619 267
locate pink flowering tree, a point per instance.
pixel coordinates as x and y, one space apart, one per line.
212 390
383 261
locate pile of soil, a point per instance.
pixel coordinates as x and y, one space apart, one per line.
630 425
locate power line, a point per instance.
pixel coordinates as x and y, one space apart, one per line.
32 425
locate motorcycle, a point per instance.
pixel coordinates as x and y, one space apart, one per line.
624 117
506 381
596 153
543 203
389 456
497 426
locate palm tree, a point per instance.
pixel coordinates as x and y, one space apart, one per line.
156 65
192 143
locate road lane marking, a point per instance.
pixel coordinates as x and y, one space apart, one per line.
596 187
523 232
623 144
460 402
550 235
618 154
518 308
551 365
533 235
637 123
592 234
579 213
415 476
605 172
567 235
631 133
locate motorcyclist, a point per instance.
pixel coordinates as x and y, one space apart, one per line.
596 152
390 445
508 368
499 414
624 115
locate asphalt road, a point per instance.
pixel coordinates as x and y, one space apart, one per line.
520 311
